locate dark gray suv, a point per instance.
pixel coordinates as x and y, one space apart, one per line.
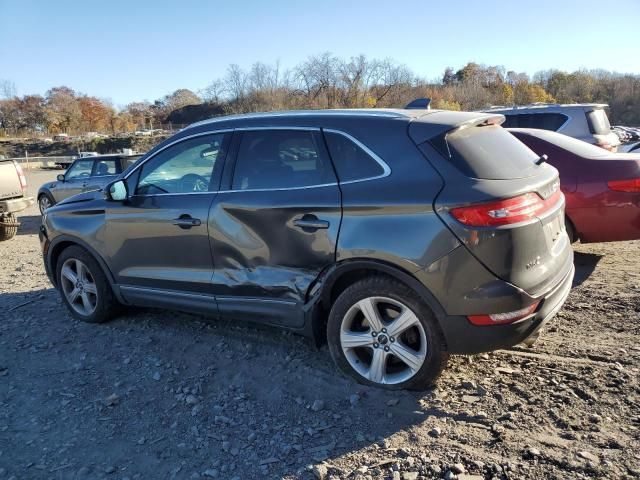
397 236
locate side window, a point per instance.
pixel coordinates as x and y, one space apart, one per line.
351 161
105 167
271 159
185 167
547 121
80 169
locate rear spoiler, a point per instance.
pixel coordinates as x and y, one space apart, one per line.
438 123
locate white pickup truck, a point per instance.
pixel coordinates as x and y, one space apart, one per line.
13 190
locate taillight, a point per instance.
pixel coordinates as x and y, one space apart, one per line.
503 318
506 212
632 185
21 176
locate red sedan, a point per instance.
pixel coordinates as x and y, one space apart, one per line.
602 189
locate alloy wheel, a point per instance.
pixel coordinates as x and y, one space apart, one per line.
78 286
44 203
383 340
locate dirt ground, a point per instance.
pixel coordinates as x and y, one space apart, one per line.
157 394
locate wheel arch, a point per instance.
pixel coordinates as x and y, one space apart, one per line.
343 274
61 243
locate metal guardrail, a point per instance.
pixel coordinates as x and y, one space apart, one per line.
42 162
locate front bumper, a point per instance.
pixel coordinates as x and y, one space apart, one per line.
463 337
16 204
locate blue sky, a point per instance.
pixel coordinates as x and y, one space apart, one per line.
129 50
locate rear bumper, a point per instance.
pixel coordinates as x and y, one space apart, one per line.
462 337
16 204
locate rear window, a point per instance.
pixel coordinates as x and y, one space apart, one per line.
543 121
598 122
490 152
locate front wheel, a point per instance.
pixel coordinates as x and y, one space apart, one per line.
45 201
381 334
84 287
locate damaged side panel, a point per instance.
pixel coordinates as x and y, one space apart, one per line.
264 259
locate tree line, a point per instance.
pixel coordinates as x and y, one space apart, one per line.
321 81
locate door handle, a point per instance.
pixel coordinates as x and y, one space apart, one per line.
310 222
185 222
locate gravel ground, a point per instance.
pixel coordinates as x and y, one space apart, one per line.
156 394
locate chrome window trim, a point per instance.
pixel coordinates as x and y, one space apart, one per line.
386 169
182 139
306 187
305 129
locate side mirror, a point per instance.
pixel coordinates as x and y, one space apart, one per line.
117 191
60 177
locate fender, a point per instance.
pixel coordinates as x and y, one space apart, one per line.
335 272
77 241
319 296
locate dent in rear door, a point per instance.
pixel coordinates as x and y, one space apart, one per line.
270 244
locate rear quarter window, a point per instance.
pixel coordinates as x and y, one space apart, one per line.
489 152
351 161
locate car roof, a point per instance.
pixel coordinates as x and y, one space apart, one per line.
434 120
546 106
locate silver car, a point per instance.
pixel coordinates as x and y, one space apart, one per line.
584 121
84 175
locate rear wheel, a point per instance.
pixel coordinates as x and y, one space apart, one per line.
84 287
382 334
8 226
45 201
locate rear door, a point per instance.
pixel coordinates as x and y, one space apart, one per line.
274 227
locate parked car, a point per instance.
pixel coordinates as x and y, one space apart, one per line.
400 236
584 121
84 174
602 188
61 137
13 199
630 147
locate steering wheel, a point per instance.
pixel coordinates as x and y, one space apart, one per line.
192 182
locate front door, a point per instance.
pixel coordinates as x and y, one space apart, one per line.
158 241
274 225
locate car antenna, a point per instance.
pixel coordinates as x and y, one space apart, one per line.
542 159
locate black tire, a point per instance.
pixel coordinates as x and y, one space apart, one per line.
8 227
48 196
571 230
107 305
381 286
